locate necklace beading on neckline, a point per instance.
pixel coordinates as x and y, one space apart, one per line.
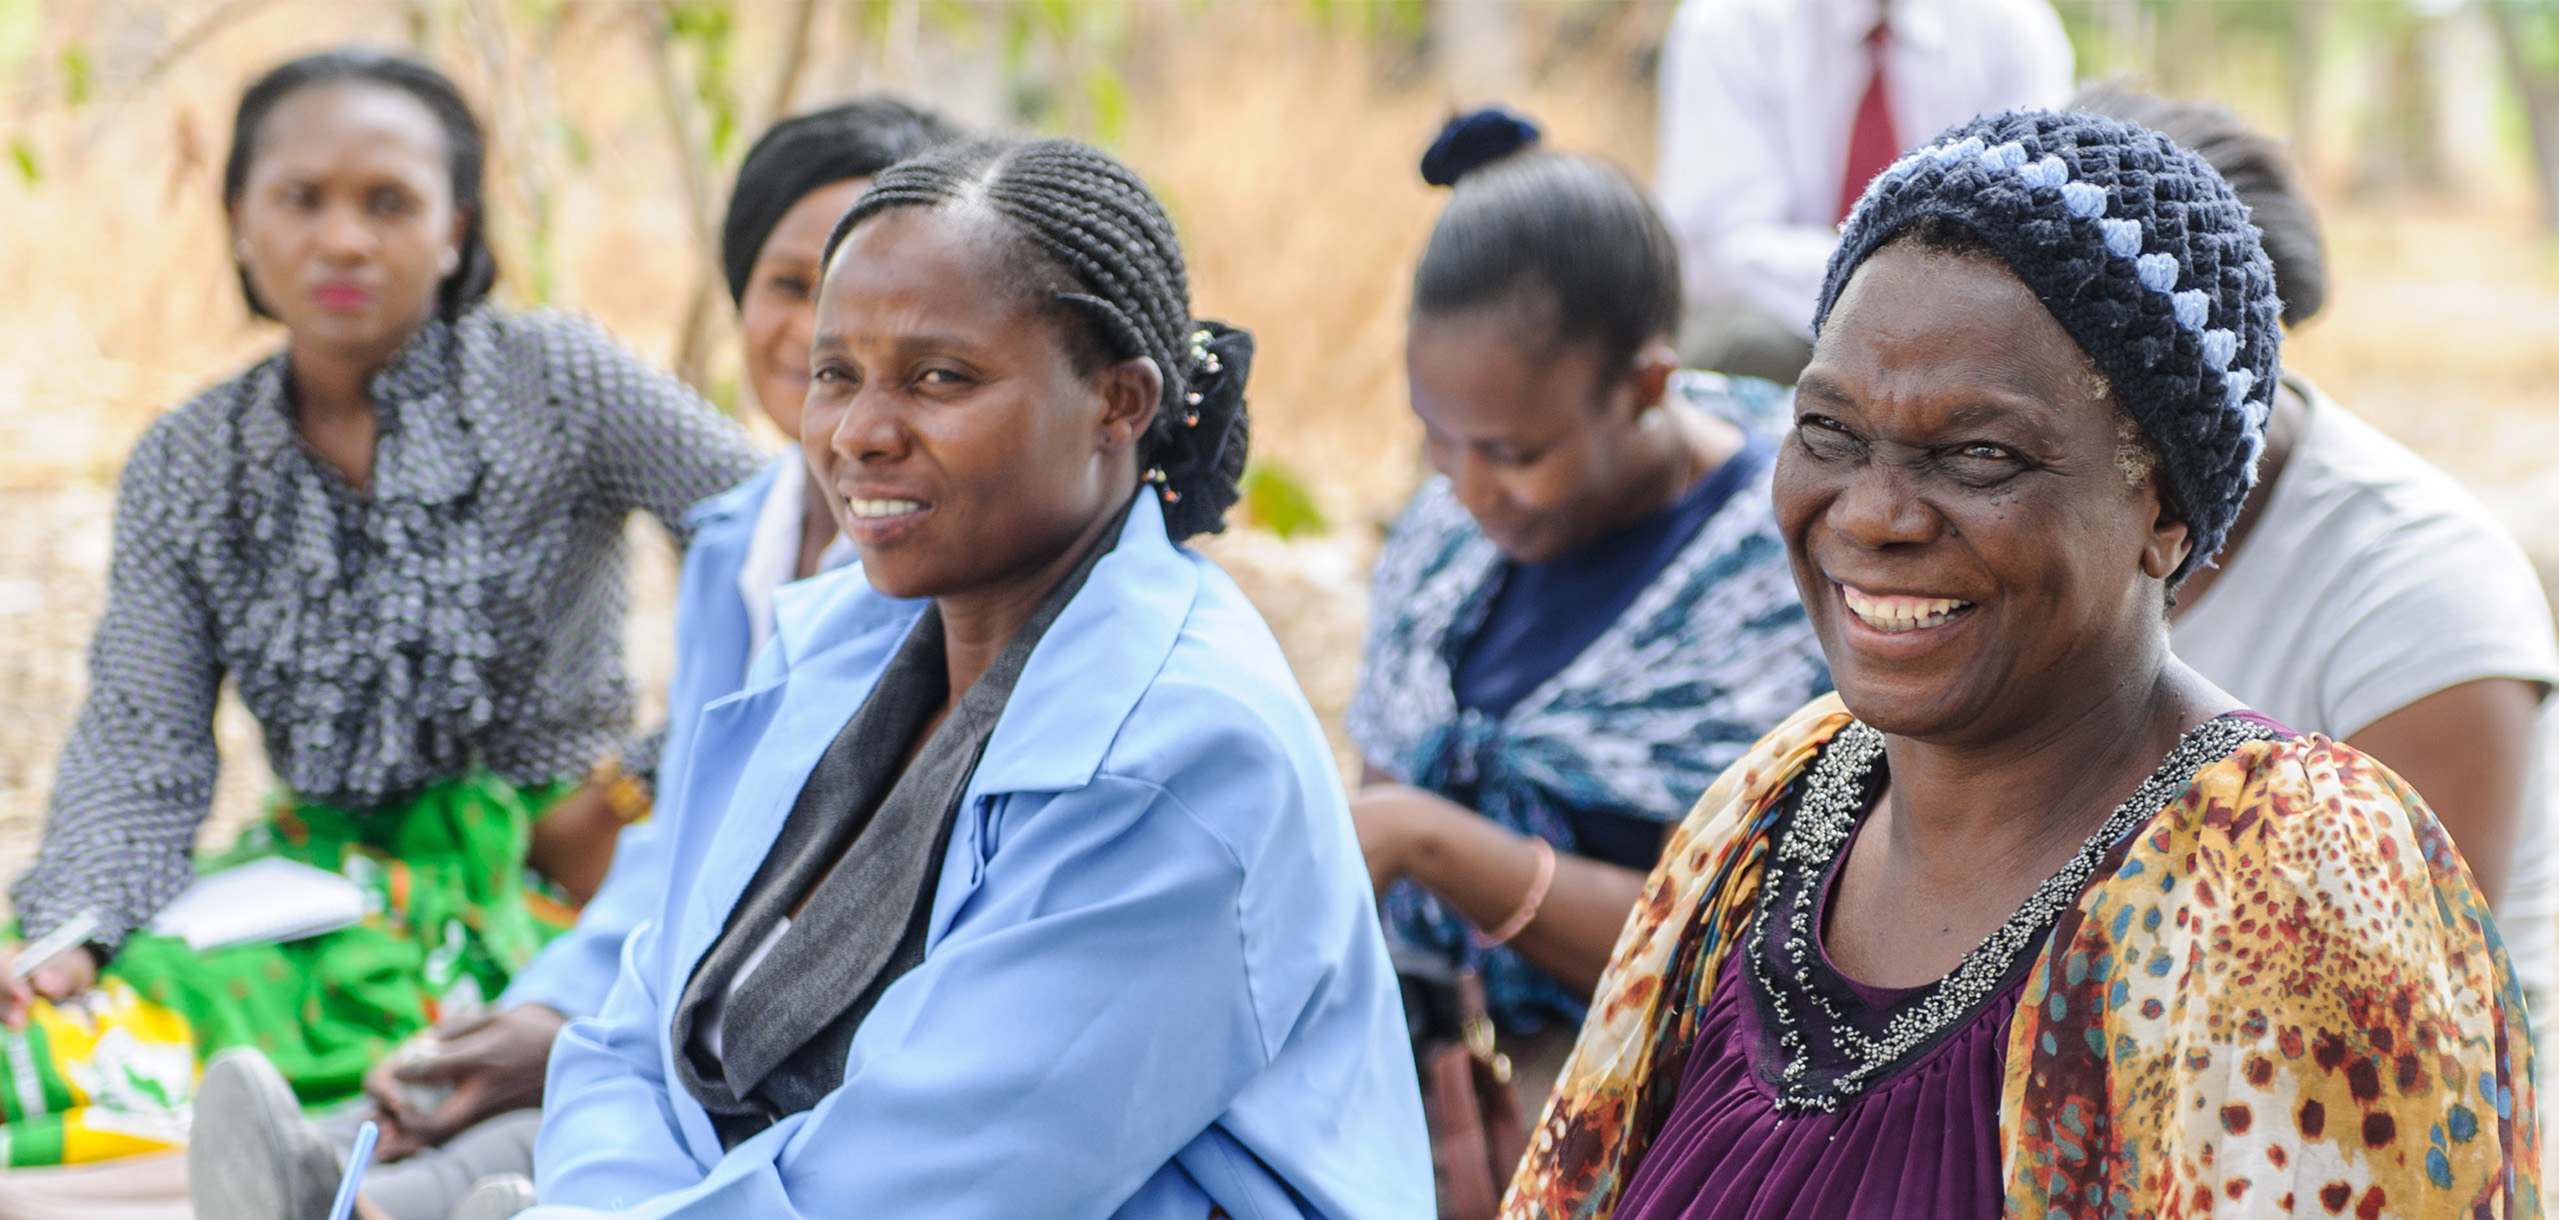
1824 819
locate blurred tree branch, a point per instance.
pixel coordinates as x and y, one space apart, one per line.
197 35
703 121
2309 27
795 61
526 113
2528 36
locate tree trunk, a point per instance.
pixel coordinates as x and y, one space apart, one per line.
2539 85
2309 24
795 61
692 341
702 194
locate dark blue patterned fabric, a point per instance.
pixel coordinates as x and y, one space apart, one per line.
1544 614
1711 654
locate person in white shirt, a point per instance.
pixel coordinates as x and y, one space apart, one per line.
1775 113
2366 596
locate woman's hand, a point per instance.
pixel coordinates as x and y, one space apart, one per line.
68 974
493 1064
1485 871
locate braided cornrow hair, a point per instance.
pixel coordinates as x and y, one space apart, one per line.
1097 249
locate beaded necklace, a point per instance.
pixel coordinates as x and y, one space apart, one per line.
1834 791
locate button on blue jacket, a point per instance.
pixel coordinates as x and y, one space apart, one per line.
1154 982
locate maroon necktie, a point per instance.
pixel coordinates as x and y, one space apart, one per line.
1871 143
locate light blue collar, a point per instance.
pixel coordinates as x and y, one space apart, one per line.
741 500
1081 682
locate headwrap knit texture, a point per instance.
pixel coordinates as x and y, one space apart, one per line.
2141 252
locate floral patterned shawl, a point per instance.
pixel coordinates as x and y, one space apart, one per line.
2288 999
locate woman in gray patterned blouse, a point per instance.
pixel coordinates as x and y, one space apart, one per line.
399 538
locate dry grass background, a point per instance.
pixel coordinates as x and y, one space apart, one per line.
1283 144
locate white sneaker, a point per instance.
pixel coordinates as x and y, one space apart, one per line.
496 1197
252 1156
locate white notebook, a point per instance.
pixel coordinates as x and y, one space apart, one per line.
273 899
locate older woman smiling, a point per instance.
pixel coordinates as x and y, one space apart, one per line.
2033 920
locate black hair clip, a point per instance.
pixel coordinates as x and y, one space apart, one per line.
1471 141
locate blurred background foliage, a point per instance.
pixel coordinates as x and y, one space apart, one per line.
2396 102
1282 135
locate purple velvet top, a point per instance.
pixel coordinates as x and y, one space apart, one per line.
1920 1144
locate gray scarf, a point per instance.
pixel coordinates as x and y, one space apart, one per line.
865 843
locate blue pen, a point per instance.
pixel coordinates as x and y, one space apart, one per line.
356 1161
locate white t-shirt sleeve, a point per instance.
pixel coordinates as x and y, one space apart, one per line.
2449 617
2370 581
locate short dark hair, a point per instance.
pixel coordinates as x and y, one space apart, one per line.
1569 235
2256 167
802 153
477 271
1092 244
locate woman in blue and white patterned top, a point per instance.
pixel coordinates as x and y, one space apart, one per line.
1590 615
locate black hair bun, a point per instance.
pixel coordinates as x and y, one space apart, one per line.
1472 141
1205 436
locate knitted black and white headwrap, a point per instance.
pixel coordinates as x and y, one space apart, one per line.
2141 252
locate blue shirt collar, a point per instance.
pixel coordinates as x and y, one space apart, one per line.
741 500
1081 682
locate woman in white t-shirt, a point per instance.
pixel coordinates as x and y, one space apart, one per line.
2366 596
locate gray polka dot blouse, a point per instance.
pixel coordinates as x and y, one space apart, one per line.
464 611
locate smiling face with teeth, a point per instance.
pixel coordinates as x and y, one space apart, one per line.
970 457
1965 536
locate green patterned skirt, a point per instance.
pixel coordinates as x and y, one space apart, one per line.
449 919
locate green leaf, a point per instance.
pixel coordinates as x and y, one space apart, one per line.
696 21
544 255
24 154
573 143
1276 499
76 76
1400 19
1107 96
724 127
21 27
1056 17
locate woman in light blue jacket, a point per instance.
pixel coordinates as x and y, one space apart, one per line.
1031 890
798 180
